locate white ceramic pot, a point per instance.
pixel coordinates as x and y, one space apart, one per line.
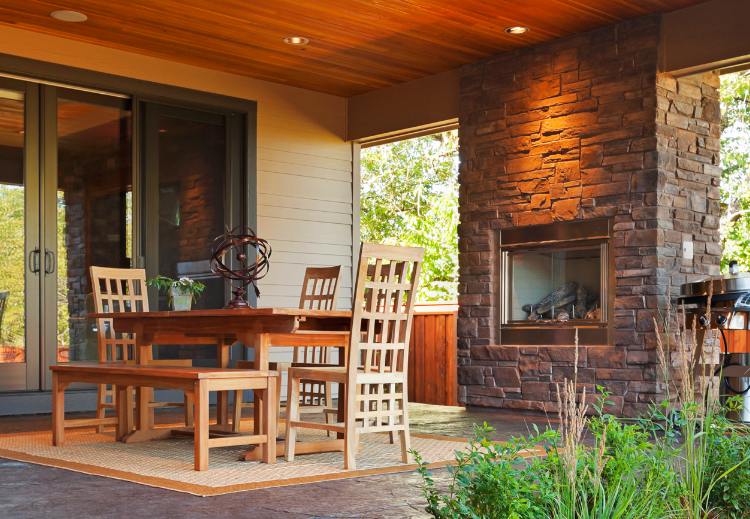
181 301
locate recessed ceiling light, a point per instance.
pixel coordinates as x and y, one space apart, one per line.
517 29
297 41
65 15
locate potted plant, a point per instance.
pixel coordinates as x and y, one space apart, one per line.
180 292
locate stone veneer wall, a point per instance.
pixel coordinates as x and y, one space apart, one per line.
584 127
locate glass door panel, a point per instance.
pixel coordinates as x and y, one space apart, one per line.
19 253
185 178
93 210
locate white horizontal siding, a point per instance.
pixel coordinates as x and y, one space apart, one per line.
304 208
300 186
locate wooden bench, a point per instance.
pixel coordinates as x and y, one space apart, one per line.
195 382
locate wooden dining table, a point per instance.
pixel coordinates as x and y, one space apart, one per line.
257 328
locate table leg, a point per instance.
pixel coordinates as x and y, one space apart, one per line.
124 406
143 395
222 400
58 411
200 433
341 405
269 420
262 352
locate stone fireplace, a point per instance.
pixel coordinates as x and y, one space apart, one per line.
574 134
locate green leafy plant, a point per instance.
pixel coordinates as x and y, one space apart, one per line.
727 451
183 285
490 480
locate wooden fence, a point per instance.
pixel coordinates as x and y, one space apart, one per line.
432 355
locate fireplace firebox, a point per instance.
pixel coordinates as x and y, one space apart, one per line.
554 279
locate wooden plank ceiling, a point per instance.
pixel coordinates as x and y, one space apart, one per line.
355 45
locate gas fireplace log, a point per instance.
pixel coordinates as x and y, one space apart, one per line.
564 295
559 305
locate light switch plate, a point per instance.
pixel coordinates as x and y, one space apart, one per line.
687 250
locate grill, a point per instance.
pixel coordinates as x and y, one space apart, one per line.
730 310
730 292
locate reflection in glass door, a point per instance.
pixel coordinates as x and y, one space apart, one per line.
93 210
186 178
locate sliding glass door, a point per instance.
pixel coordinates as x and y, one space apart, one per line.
72 196
65 204
188 201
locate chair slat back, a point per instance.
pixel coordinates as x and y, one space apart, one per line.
385 292
319 290
117 290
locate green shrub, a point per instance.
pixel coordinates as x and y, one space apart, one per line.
686 459
626 470
728 449
491 480
502 481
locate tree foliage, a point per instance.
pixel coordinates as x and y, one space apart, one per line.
12 264
735 162
13 268
409 196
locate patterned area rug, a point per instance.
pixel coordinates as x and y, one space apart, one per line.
169 463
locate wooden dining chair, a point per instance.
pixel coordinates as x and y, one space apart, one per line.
319 291
377 365
123 290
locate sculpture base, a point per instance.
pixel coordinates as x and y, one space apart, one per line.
238 301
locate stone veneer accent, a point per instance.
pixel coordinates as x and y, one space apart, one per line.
584 127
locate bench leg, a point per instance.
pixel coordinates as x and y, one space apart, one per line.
200 396
58 411
269 422
188 399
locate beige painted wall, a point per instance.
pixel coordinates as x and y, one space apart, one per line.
304 163
422 103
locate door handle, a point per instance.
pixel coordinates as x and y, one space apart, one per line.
49 261
34 257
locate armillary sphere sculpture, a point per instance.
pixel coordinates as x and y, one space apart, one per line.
232 258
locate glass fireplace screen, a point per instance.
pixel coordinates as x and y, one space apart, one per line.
555 284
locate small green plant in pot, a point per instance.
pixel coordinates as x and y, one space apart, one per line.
180 292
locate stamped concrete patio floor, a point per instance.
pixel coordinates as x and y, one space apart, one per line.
32 491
